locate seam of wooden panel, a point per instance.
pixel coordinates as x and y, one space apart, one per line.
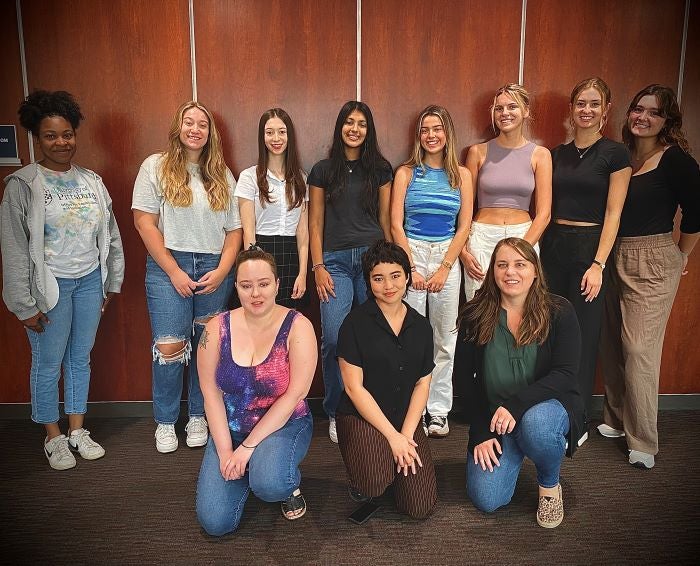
358 62
681 71
523 23
23 65
193 55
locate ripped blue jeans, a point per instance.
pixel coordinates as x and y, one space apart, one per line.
176 320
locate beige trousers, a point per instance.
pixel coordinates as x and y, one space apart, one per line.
646 271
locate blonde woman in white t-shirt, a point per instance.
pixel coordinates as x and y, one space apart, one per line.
273 202
186 215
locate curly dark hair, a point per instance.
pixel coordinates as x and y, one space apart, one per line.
383 251
41 104
672 132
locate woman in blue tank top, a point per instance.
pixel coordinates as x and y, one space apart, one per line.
431 208
507 171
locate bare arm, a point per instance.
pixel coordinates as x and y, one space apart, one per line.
686 243
542 164
302 234
246 208
475 159
317 209
210 281
385 210
398 198
419 400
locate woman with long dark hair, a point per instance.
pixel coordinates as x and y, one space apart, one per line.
186 215
647 267
589 183
62 263
431 208
349 195
526 401
272 199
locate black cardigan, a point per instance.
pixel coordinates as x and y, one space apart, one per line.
556 372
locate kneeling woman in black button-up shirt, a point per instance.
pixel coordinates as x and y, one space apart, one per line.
385 351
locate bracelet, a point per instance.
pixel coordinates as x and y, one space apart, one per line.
249 447
317 265
446 264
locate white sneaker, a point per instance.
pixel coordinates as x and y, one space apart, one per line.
166 439
332 431
197 432
438 427
58 454
610 432
641 459
583 439
80 441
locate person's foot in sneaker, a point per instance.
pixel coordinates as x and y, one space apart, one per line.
79 441
641 460
166 439
438 427
610 432
58 454
332 431
197 432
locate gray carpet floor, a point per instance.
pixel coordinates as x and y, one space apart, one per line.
136 506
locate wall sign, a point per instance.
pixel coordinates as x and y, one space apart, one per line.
8 146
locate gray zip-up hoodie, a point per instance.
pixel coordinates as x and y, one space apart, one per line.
28 286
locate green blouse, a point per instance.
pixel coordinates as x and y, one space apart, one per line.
507 368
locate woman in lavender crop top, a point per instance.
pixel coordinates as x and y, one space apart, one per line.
507 171
256 364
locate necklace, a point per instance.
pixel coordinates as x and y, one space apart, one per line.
348 167
584 152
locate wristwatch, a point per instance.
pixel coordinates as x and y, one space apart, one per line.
600 263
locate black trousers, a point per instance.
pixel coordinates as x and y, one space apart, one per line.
566 253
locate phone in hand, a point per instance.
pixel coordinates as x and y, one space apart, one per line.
360 515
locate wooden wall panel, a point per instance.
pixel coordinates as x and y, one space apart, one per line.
12 336
448 53
128 64
628 44
252 56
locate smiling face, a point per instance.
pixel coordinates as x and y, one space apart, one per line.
256 286
645 119
354 129
507 114
57 143
514 274
388 283
432 135
588 109
194 131
275 136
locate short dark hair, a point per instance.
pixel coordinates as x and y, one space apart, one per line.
254 252
385 252
42 104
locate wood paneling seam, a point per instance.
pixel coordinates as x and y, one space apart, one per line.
193 55
681 71
521 62
358 62
23 65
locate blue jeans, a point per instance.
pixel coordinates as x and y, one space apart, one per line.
541 436
273 475
176 319
345 267
67 340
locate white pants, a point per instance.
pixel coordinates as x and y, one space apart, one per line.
443 308
482 240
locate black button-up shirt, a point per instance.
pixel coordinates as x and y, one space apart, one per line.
391 364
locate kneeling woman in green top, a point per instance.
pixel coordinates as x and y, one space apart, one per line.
527 402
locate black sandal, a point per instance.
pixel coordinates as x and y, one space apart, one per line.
294 507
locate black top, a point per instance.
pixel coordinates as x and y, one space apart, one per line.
580 184
347 224
391 365
556 371
653 197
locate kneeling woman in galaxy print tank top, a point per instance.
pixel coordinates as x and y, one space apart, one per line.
256 364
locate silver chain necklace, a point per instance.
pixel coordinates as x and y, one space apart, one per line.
584 152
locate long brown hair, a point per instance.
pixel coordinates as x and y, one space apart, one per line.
295 185
174 176
671 133
480 315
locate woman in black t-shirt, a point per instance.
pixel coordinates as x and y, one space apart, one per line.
646 268
385 351
589 183
348 210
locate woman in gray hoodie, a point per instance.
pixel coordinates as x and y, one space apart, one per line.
62 262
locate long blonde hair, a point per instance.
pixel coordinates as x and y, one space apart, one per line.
451 164
174 176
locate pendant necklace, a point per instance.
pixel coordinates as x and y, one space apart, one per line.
348 167
584 152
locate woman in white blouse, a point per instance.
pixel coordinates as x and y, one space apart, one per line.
272 199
